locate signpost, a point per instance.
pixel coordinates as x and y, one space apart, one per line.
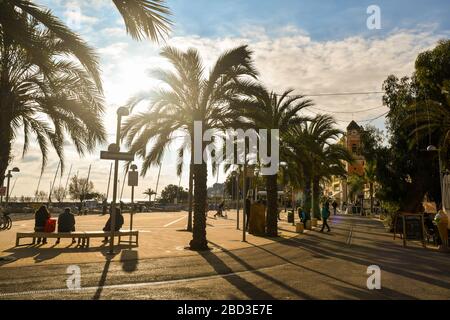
114 153
133 179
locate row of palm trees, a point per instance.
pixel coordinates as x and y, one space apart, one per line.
50 88
230 96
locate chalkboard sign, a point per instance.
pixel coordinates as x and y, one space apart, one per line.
410 227
413 228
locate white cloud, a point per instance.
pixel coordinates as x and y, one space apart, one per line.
288 59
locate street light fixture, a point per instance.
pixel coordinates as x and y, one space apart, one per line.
235 175
9 176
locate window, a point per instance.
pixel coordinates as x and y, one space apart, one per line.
354 148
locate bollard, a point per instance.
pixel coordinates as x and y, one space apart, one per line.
300 227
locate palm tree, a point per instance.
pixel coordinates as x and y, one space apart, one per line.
149 192
189 97
313 147
356 186
55 101
23 46
268 110
370 172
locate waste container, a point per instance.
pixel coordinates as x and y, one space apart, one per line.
290 216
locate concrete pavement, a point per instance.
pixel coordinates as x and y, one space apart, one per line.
310 266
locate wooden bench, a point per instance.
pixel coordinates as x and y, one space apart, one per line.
83 236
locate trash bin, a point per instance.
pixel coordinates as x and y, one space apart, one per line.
290 216
300 227
308 225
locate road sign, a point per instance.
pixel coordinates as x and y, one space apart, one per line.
2 191
133 177
121 156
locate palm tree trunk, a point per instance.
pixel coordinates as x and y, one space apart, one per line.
6 133
272 205
307 202
5 150
191 182
316 198
190 199
371 197
199 242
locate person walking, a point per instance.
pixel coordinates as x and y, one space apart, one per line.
325 216
334 205
40 218
219 212
66 223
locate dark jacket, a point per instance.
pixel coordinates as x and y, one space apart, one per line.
66 222
325 212
40 218
118 225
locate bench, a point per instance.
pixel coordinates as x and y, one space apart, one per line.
85 236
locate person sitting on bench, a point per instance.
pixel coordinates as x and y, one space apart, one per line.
40 218
118 224
66 223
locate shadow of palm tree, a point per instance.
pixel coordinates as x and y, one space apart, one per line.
246 287
281 284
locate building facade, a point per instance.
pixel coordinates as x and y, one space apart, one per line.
337 188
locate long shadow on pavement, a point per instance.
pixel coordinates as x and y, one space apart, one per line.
249 289
281 284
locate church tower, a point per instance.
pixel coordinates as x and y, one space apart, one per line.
354 145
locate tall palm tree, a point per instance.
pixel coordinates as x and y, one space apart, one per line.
318 155
149 192
56 101
189 96
268 110
143 18
370 175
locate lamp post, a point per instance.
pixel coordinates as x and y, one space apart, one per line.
8 177
432 148
121 112
256 183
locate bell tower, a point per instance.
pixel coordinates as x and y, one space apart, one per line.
354 145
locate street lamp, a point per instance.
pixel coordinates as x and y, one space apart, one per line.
433 148
8 177
236 175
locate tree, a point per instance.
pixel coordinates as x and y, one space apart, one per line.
81 189
172 192
370 175
149 192
417 119
268 110
314 147
356 186
143 19
40 54
189 96
56 100
59 194
40 196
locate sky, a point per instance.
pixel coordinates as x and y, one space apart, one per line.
313 47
